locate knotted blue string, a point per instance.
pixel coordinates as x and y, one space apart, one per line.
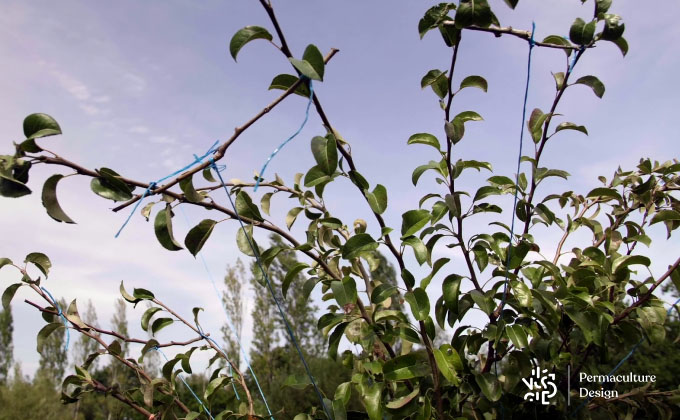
574 58
532 43
260 176
273 294
206 337
61 315
180 376
152 185
618 365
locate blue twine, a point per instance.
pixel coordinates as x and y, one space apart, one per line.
618 365
519 162
200 331
180 376
152 185
271 290
260 176
230 323
574 58
61 315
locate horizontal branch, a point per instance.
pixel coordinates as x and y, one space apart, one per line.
525 35
114 333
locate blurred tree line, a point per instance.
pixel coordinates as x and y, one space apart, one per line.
271 354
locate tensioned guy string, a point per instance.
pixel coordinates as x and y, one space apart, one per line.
260 176
273 294
153 184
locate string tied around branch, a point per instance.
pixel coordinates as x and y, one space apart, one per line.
60 314
152 185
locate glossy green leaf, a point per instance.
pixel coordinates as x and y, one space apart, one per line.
214 385
451 291
517 335
190 193
291 275
325 154
581 33
404 367
435 268
50 202
285 81
571 126
419 248
312 64
163 228
382 292
159 324
345 291
473 12
40 125
665 216
8 295
377 199
45 333
403 401
445 366
316 176
592 82
438 81
484 302
357 244
40 260
292 216
424 138
244 36
558 40
246 208
490 386
334 339
146 317
198 235
244 239
475 81
419 302
412 221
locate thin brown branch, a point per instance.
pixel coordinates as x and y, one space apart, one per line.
525 35
647 295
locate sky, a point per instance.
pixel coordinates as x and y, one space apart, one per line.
141 86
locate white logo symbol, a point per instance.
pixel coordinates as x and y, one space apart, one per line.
539 389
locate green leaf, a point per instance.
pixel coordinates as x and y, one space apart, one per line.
246 208
243 241
558 40
602 6
190 193
357 244
403 401
285 81
325 154
146 317
291 275
664 216
522 293
419 248
489 385
435 268
484 302
163 227
382 292
377 199
45 332
334 339
40 260
582 33
316 176
404 367
445 366
592 82
438 81
613 28
244 36
292 216
628 260
197 236
486 191
412 221
517 335
265 202
466 116
602 192
128 297
50 202
475 81
344 291
40 125
622 44
343 392
424 138
214 385
371 398
571 126
511 3
8 295
142 294
312 64
108 185
473 12
451 291
159 324
419 302
207 175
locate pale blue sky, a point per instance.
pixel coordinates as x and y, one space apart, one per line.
141 86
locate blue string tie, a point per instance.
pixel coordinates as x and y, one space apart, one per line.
260 176
181 377
207 338
152 185
61 315
273 294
